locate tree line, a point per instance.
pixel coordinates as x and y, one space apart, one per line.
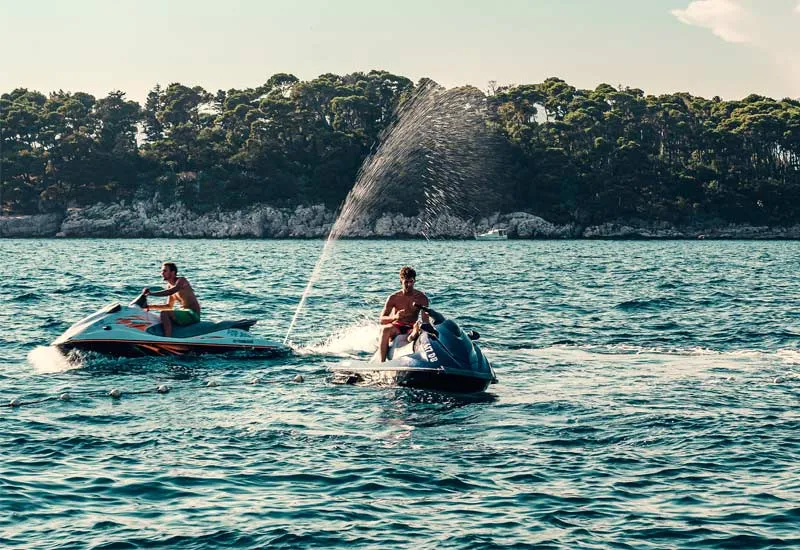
564 153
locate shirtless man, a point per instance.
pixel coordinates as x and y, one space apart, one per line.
399 315
180 289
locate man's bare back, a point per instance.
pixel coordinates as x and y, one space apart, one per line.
185 294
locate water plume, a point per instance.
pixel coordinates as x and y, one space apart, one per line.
438 158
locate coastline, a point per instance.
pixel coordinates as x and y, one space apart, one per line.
153 220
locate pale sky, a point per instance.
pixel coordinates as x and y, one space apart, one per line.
728 48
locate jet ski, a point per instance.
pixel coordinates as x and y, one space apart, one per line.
131 331
442 358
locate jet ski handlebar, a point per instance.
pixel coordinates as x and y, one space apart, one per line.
438 318
435 316
140 301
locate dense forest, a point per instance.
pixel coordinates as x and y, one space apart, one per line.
566 154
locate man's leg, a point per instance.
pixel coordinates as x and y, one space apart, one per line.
166 319
185 317
387 333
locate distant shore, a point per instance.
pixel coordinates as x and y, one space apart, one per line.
153 220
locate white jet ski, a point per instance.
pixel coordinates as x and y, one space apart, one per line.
130 331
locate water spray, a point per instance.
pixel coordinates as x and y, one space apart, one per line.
443 132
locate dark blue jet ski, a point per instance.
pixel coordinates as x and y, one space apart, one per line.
443 358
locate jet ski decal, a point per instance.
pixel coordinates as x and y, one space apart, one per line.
138 322
429 353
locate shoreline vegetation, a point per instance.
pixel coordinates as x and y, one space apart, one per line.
278 160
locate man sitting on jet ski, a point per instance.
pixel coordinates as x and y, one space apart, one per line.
400 315
178 288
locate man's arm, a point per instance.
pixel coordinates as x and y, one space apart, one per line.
386 315
163 307
423 301
180 284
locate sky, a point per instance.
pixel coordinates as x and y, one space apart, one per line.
726 48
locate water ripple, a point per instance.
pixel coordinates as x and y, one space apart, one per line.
647 399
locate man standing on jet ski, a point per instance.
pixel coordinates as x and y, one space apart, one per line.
399 315
178 288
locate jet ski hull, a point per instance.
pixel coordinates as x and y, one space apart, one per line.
422 378
139 349
131 331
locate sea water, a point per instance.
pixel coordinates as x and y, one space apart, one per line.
648 398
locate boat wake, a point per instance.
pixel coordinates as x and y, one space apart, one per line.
49 360
354 340
669 361
590 350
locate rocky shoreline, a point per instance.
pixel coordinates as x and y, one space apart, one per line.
151 219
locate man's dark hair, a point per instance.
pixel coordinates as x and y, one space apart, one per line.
171 266
407 273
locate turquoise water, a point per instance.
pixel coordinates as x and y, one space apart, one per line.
648 398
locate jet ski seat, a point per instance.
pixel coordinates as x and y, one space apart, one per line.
398 346
203 327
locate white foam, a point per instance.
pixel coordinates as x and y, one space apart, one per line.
789 356
673 360
48 360
359 338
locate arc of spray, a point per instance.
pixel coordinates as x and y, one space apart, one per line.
415 122
314 274
353 204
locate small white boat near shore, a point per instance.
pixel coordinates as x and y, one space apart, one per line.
493 235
